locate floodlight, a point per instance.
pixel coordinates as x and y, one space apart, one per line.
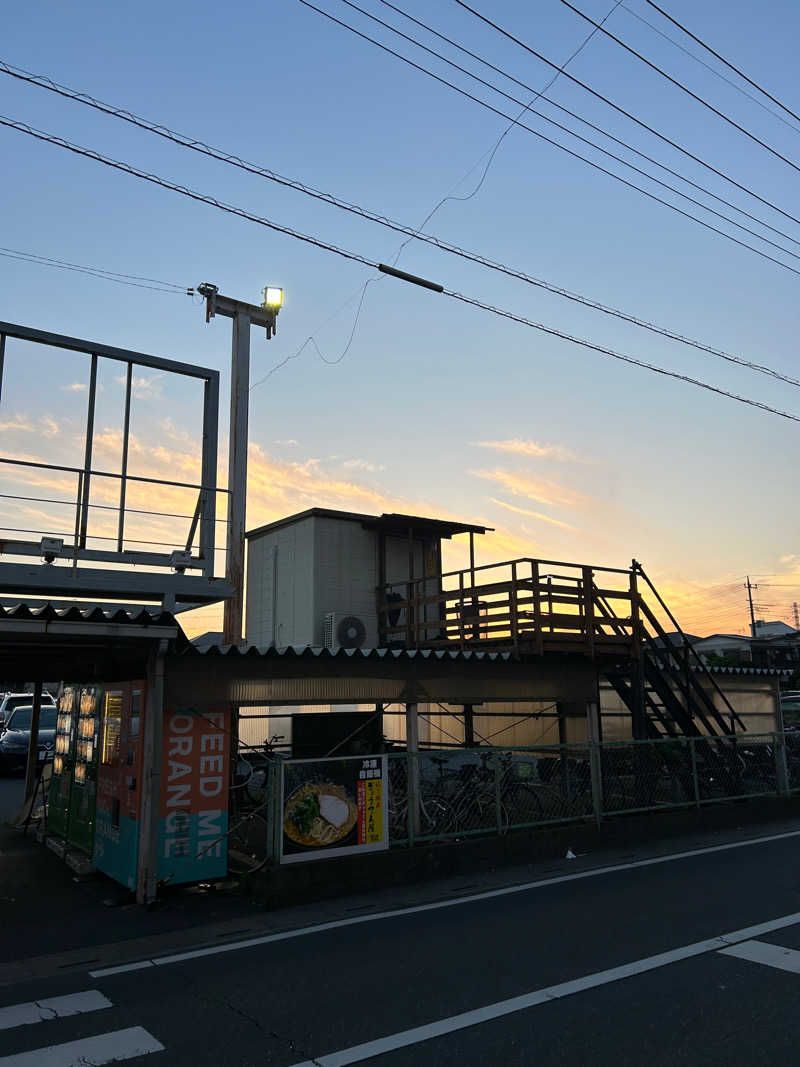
273 297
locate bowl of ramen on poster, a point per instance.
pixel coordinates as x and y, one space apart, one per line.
332 806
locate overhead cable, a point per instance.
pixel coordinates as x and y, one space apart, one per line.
557 144
684 89
578 137
707 66
621 110
96 272
586 122
411 232
722 59
356 257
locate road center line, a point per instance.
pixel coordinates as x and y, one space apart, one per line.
267 939
487 1013
37 1011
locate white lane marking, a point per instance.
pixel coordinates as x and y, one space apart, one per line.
37 1011
785 959
266 939
404 1038
105 1048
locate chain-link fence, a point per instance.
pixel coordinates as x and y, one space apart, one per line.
491 790
485 790
451 794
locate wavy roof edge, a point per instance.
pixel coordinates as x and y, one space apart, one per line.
318 651
144 616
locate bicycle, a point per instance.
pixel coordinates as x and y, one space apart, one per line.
435 815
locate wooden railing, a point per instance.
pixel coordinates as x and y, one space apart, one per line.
525 605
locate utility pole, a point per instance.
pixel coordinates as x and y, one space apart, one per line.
796 615
244 316
750 589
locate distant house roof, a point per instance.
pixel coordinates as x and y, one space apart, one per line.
391 523
730 637
675 638
206 640
776 628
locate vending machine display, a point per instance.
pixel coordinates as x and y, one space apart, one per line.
58 797
83 794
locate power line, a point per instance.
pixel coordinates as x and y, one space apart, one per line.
96 272
448 196
356 257
722 59
708 67
613 353
537 94
682 87
382 220
621 110
572 133
563 148
579 118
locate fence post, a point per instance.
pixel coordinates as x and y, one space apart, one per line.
781 766
695 782
595 764
412 807
497 806
274 812
412 746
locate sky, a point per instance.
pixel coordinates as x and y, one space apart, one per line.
433 407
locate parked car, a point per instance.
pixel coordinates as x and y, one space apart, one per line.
790 710
17 700
16 734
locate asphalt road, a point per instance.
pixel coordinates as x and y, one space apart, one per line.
638 964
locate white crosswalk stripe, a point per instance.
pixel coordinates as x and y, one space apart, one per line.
37 1011
784 959
104 1048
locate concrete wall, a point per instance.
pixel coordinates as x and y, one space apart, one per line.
281 613
346 575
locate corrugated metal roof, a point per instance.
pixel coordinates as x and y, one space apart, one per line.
144 616
319 652
769 671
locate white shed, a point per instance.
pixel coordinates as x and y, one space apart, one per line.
313 578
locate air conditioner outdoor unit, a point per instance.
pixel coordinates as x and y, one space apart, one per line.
343 630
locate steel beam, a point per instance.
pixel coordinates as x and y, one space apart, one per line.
237 474
109 584
124 355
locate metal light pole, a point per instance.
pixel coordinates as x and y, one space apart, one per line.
244 316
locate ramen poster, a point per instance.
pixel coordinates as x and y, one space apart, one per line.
333 807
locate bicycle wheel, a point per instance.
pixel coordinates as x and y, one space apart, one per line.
436 815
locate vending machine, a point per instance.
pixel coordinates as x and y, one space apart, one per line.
116 843
72 795
193 800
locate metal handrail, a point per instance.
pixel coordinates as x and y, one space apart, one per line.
111 474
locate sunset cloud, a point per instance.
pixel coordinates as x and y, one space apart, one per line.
518 447
544 492
363 465
535 515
